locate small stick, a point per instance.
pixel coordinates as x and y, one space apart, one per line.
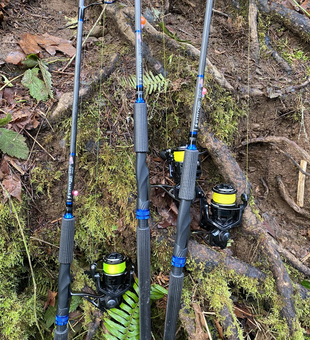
10 82
40 145
301 184
207 328
37 239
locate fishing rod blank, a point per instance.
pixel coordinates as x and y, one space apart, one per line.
68 220
142 178
186 194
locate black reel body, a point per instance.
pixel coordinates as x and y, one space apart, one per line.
222 214
111 283
175 158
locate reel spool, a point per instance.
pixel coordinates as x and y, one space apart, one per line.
111 283
222 214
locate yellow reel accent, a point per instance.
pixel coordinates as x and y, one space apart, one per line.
179 156
224 199
113 269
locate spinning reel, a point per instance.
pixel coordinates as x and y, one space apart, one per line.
175 158
115 279
222 214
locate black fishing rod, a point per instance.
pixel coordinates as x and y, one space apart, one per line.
142 177
68 220
186 194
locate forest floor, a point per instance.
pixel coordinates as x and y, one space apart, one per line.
276 107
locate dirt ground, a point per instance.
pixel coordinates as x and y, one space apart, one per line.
282 116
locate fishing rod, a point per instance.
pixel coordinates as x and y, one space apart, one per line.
117 274
142 178
187 194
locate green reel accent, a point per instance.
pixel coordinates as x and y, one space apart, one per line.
114 264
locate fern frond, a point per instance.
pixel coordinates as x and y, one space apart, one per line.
124 320
151 83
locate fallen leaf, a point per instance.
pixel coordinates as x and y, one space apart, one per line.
31 44
50 299
15 163
15 57
12 184
8 95
199 334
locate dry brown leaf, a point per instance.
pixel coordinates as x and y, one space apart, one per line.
15 57
199 334
15 163
50 299
32 44
8 95
12 184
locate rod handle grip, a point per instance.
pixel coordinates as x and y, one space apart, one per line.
173 305
61 335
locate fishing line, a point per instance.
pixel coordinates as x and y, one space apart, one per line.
248 105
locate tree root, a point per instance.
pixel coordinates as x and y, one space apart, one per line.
275 139
66 100
298 23
276 56
93 326
232 173
289 200
119 18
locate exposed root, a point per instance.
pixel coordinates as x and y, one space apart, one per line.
232 173
119 18
66 101
293 260
211 259
276 56
93 326
275 139
298 23
289 200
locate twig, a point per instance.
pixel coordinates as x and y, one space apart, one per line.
95 24
220 13
10 81
29 261
276 139
291 158
207 328
289 200
40 145
37 239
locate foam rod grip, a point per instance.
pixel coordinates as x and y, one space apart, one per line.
140 128
66 240
61 335
173 305
187 186
143 252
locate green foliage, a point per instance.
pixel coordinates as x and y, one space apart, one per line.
5 120
151 83
170 34
40 90
306 284
124 321
13 144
